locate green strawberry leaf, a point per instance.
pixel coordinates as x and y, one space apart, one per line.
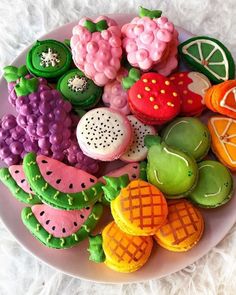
149 13
134 76
95 27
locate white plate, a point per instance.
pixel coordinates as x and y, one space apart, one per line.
75 261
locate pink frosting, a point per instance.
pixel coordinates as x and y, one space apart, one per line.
115 96
145 40
97 54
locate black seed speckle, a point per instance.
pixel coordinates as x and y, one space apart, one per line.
87 208
58 181
83 185
49 172
81 216
63 230
75 224
47 222
22 181
91 180
71 185
44 161
53 228
133 176
41 213
17 171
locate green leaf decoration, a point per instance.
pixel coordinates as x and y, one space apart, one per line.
95 249
151 140
12 73
142 171
96 27
67 42
134 76
26 86
149 13
114 185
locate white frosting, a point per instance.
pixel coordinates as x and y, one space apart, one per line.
199 85
49 58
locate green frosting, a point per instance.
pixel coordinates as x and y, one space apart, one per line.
143 171
172 171
215 185
95 249
79 90
17 191
26 86
189 135
53 197
208 56
114 185
49 59
134 76
47 239
96 27
149 13
12 74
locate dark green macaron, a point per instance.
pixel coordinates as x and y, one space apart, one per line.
49 59
215 185
189 135
79 90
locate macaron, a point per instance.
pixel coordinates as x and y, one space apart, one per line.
183 229
48 59
138 207
120 251
80 91
189 135
214 187
223 134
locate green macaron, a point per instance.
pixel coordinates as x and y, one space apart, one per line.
49 59
215 185
79 90
189 135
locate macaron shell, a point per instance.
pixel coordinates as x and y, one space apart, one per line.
104 134
183 229
215 185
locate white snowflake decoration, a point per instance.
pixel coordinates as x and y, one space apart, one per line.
77 83
49 58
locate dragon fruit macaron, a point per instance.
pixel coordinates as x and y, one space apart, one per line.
147 38
97 49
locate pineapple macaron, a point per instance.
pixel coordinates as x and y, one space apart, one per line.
118 250
138 208
183 229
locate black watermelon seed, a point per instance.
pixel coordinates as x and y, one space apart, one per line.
133 175
49 172
47 222
41 213
31 189
91 180
87 208
75 224
83 185
17 171
53 228
58 181
63 230
71 186
44 161
22 181
81 216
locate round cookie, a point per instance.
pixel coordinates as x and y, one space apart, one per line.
104 134
183 229
214 187
137 151
80 91
118 250
48 59
189 135
208 56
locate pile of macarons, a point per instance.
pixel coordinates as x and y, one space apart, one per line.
115 94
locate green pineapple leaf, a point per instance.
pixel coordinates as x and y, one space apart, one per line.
114 185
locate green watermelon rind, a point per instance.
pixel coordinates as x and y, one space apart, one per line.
200 67
37 230
53 197
17 192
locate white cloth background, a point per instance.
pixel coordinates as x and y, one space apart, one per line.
21 23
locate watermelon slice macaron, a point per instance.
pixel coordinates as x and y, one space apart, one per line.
104 134
60 228
153 98
59 185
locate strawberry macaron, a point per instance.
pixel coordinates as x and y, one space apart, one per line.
153 98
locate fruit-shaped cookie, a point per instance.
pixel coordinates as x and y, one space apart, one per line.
118 250
60 229
171 170
223 136
14 178
189 135
138 207
147 39
48 59
214 187
153 98
59 185
221 98
192 87
208 56
96 48
183 229
80 91
104 134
